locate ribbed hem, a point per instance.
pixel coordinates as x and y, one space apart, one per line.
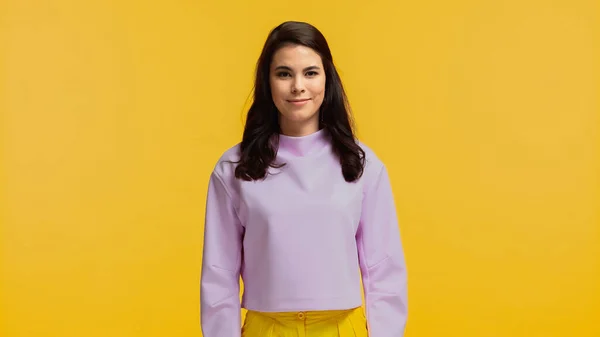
291 304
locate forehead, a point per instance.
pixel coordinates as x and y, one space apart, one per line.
296 56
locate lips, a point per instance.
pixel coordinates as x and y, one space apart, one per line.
299 102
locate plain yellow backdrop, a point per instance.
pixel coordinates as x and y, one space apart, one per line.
114 112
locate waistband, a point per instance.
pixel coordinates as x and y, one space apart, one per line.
308 317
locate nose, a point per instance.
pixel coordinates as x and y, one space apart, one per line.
298 86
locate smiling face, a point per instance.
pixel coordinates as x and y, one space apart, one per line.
297 80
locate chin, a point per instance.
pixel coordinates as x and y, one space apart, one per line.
298 117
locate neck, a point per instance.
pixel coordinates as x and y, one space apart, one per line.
303 145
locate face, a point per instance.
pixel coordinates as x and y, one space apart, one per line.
297 81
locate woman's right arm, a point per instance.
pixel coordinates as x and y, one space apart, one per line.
220 312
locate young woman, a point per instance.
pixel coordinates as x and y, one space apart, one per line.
301 210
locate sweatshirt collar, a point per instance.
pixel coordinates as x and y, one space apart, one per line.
303 145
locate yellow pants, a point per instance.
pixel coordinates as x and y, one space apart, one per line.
331 323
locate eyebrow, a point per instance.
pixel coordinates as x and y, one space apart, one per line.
290 69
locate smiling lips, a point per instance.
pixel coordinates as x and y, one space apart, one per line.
299 101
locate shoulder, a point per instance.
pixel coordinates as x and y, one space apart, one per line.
224 168
374 167
373 164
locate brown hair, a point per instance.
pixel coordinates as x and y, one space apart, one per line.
257 150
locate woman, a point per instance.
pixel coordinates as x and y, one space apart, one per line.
301 210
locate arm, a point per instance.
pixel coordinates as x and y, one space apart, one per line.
381 259
221 260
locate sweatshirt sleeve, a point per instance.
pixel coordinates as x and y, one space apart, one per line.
381 259
220 309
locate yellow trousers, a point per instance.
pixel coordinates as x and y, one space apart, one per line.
330 323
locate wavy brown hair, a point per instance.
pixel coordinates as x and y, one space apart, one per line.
260 140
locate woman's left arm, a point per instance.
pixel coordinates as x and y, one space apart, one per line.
382 260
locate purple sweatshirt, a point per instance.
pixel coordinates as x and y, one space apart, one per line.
301 240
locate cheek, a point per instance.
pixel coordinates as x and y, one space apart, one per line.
319 90
319 86
277 91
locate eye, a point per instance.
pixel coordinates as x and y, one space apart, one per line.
312 73
283 74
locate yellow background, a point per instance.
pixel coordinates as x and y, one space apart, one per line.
114 113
